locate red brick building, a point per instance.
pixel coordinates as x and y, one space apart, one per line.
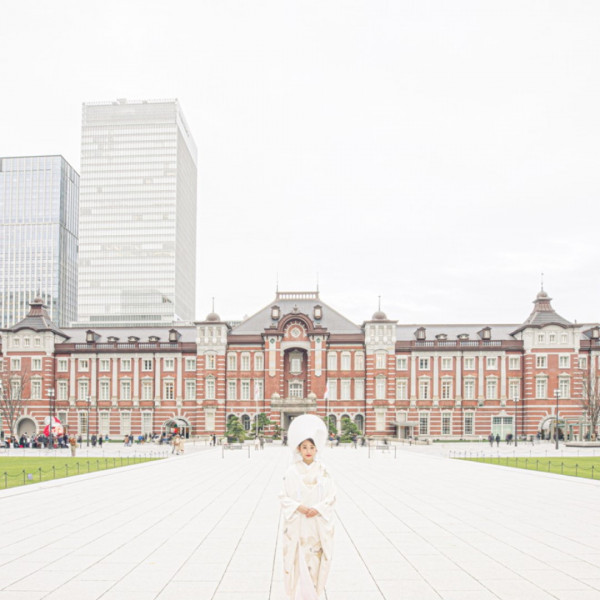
300 355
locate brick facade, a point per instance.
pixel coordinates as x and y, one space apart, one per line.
299 355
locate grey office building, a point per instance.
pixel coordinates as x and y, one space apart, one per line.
137 226
39 198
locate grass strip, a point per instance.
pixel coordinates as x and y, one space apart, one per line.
16 471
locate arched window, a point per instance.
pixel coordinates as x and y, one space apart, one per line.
246 422
333 421
359 421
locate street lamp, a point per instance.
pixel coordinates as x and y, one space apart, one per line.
516 401
87 424
557 396
51 410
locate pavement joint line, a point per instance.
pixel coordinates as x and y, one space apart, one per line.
340 520
275 465
89 525
386 508
184 526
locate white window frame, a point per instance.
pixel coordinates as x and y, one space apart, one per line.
245 361
359 389
564 386
125 389
446 423
491 388
446 363
380 360
346 361
190 365
345 389
62 365
36 389
211 361
564 361
491 363
36 363
402 363
514 363
104 389
147 389
83 365
104 366
359 361
423 363
169 389
424 388
424 423
541 361
190 389
210 390
62 389
541 388
332 361
232 361
126 365
469 363
169 364
231 389
125 422
401 389
259 361
380 387
245 389
446 391
469 423
146 365
469 388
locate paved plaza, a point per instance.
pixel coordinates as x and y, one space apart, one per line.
412 524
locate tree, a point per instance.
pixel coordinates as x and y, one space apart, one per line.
330 423
263 422
590 399
235 429
349 430
12 387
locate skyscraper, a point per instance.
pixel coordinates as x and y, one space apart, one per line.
137 227
39 198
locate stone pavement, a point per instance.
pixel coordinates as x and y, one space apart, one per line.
411 524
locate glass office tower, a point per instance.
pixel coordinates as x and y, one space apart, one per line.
137 225
39 198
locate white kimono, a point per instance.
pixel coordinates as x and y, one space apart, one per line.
307 542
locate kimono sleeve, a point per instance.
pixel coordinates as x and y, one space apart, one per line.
325 505
288 504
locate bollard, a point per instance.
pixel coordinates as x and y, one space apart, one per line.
53 472
77 468
576 469
562 470
40 470
23 476
67 470
592 471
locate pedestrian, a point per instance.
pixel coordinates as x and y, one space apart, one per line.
175 443
73 445
307 501
491 439
497 439
262 442
256 444
100 441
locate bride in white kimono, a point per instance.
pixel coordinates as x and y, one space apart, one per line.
307 502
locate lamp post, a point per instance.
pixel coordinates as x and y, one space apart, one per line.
87 424
516 401
51 411
557 396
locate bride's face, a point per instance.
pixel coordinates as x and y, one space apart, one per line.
307 451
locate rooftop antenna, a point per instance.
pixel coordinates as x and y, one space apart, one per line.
542 282
213 304
379 303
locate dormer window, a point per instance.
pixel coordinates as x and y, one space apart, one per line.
318 312
132 339
421 334
441 337
485 333
112 339
91 336
154 338
275 312
463 336
174 335
595 333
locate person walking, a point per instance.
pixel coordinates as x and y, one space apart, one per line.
307 501
498 439
73 445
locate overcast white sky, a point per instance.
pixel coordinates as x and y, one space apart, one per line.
439 154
